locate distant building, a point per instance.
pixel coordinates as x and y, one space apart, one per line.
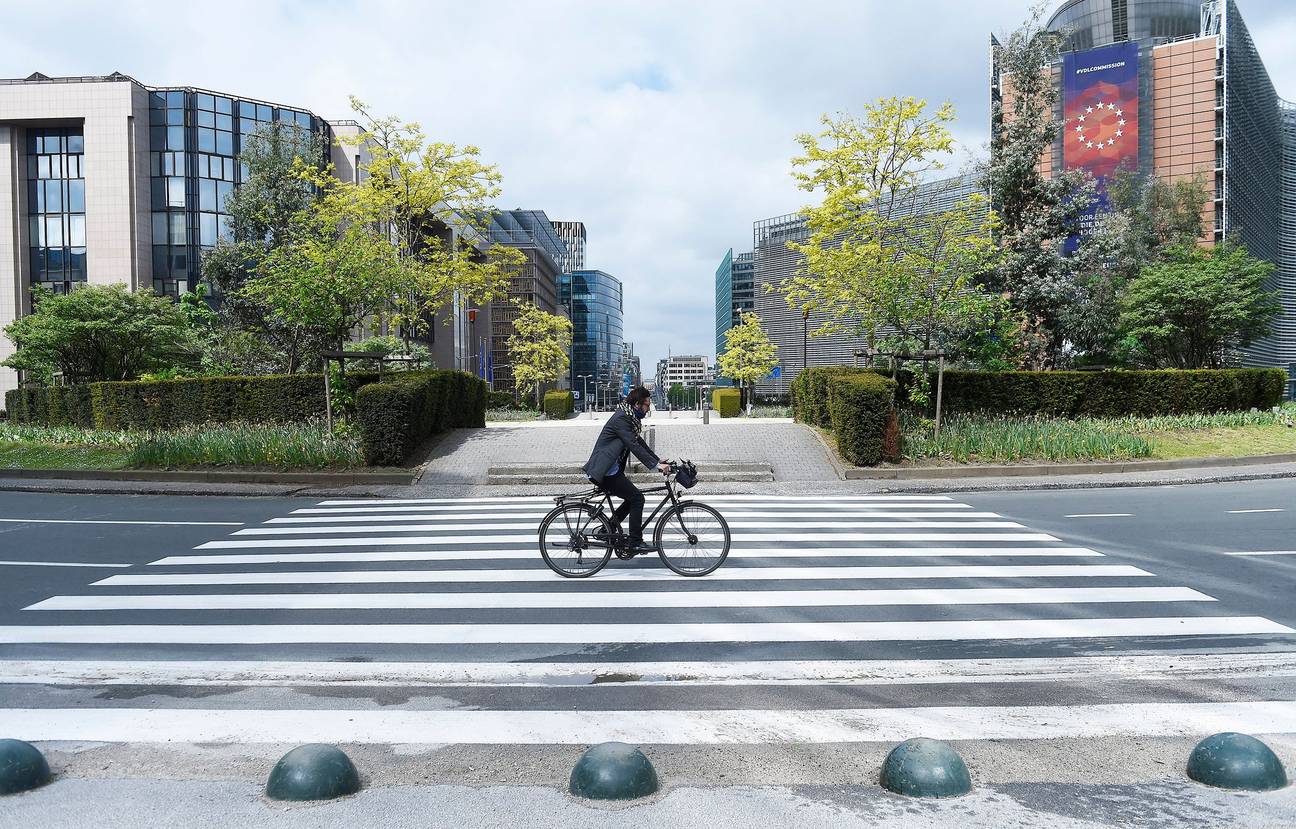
597 306
734 294
687 370
573 236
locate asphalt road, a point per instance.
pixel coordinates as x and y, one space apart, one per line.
1072 644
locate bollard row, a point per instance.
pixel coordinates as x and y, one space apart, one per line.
615 771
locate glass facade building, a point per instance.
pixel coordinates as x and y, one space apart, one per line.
56 207
597 304
733 293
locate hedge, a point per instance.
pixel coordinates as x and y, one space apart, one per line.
559 404
728 402
1067 393
1113 393
863 417
397 415
144 405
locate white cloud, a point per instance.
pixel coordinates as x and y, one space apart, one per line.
666 127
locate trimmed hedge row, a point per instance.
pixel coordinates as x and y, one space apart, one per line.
1114 393
863 415
558 405
728 402
396 416
162 404
1066 393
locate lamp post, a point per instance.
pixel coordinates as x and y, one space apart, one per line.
472 341
585 394
805 338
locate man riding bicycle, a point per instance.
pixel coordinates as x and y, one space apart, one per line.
607 464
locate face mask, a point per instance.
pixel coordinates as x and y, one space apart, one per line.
639 413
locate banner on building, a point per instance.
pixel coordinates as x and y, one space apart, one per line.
1100 100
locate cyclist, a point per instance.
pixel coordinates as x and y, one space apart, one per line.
606 467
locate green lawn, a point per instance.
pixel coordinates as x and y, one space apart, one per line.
1225 443
61 456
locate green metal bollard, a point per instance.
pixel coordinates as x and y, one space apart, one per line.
22 767
613 771
1236 761
313 772
925 768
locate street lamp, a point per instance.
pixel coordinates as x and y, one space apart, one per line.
805 338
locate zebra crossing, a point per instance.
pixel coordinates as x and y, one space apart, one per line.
831 589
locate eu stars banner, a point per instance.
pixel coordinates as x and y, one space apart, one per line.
1100 99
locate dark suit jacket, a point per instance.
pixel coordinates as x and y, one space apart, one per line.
615 443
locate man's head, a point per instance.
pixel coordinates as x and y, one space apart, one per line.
639 399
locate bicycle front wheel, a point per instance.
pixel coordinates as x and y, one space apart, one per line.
692 539
575 540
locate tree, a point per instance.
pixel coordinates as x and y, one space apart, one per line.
882 254
749 355
1193 309
379 250
1037 215
681 396
261 212
1148 218
538 349
99 332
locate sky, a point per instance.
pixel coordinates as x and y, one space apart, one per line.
666 126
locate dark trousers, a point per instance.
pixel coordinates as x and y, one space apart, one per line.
632 504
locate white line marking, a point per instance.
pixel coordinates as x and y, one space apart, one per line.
530 554
544 499
733 525
541 508
579 634
530 540
646 727
543 574
1103 515
567 674
57 564
144 523
618 600
358 520
1260 553
1251 511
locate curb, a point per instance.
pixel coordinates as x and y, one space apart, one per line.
1051 470
215 476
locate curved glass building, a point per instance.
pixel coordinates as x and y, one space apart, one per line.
1206 109
597 308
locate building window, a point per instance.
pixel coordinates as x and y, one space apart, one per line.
56 207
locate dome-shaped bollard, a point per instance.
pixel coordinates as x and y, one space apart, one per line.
22 767
613 771
1236 761
313 772
925 768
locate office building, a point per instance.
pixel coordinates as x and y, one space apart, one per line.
106 180
790 332
597 307
687 370
1180 91
734 293
573 236
534 282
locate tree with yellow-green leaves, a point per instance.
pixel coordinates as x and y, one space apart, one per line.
539 349
380 248
885 256
749 356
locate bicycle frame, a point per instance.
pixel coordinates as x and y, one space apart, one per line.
604 500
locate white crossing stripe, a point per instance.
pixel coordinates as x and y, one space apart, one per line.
131 523
775 507
619 600
733 525
532 540
646 727
546 499
62 564
531 554
357 520
578 634
540 574
1263 553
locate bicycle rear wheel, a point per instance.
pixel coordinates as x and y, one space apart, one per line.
692 539
575 540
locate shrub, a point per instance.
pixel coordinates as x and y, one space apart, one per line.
810 393
559 404
1113 393
728 402
863 417
51 405
397 415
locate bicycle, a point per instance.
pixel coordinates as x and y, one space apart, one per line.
577 539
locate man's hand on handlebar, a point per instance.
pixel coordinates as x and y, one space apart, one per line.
665 467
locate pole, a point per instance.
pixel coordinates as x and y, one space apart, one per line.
805 339
940 384
328 397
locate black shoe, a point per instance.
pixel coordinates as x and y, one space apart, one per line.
639 548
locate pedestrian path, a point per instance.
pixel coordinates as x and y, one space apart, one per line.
447 590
